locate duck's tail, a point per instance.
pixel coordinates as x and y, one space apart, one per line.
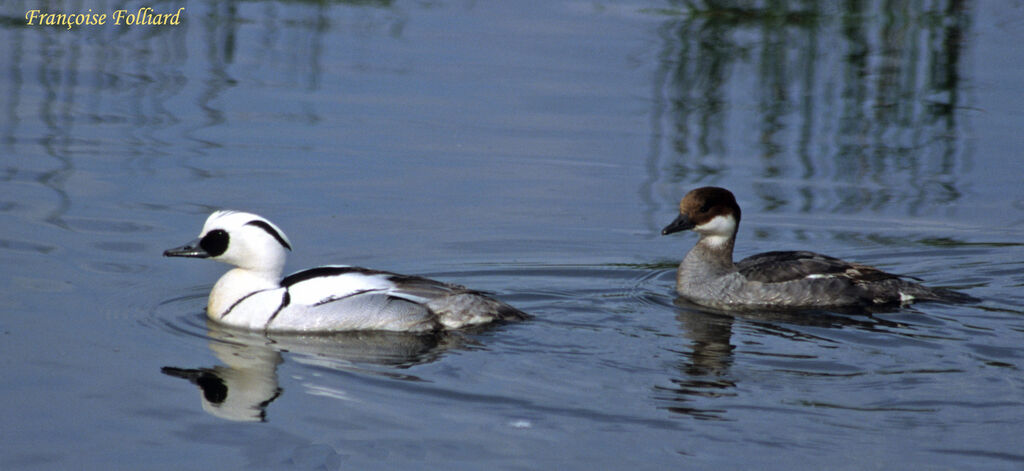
915 292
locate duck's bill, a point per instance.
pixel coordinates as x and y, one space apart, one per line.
190 250
682 223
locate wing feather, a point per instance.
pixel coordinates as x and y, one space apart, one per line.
783 266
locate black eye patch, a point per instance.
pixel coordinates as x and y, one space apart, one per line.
215 242
214 389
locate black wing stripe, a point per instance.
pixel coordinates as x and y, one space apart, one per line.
243 298
317 272
285 301
357 293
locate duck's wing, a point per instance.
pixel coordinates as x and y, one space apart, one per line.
351 298
456 306
366 290
423 289
783 266
322 284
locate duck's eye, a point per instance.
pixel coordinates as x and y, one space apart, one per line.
215 242
705 208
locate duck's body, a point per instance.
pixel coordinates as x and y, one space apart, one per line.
801 279
254 296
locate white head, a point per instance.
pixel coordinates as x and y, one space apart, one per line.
244 240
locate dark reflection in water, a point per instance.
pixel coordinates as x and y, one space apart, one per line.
860 101
703 367
707 358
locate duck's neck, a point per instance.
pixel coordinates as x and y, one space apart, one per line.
237 284
711 257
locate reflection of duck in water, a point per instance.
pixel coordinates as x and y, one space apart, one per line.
240 389
324 299
243 387
708 276
706 360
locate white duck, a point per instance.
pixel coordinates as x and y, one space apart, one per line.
331 298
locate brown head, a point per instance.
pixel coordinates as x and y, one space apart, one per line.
710 211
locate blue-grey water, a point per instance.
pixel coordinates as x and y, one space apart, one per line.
532 149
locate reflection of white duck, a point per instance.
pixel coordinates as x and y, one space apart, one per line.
324 299
241 389
708 276
246 383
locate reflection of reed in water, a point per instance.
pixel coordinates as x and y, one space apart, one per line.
132 96
70 95
858 105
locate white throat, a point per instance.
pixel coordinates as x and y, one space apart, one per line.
718 231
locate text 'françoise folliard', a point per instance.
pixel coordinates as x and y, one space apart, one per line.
144 16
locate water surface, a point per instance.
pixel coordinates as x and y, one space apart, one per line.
533 150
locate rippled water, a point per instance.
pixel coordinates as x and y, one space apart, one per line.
533 150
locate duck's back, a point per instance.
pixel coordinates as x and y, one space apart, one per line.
801 278
355 298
